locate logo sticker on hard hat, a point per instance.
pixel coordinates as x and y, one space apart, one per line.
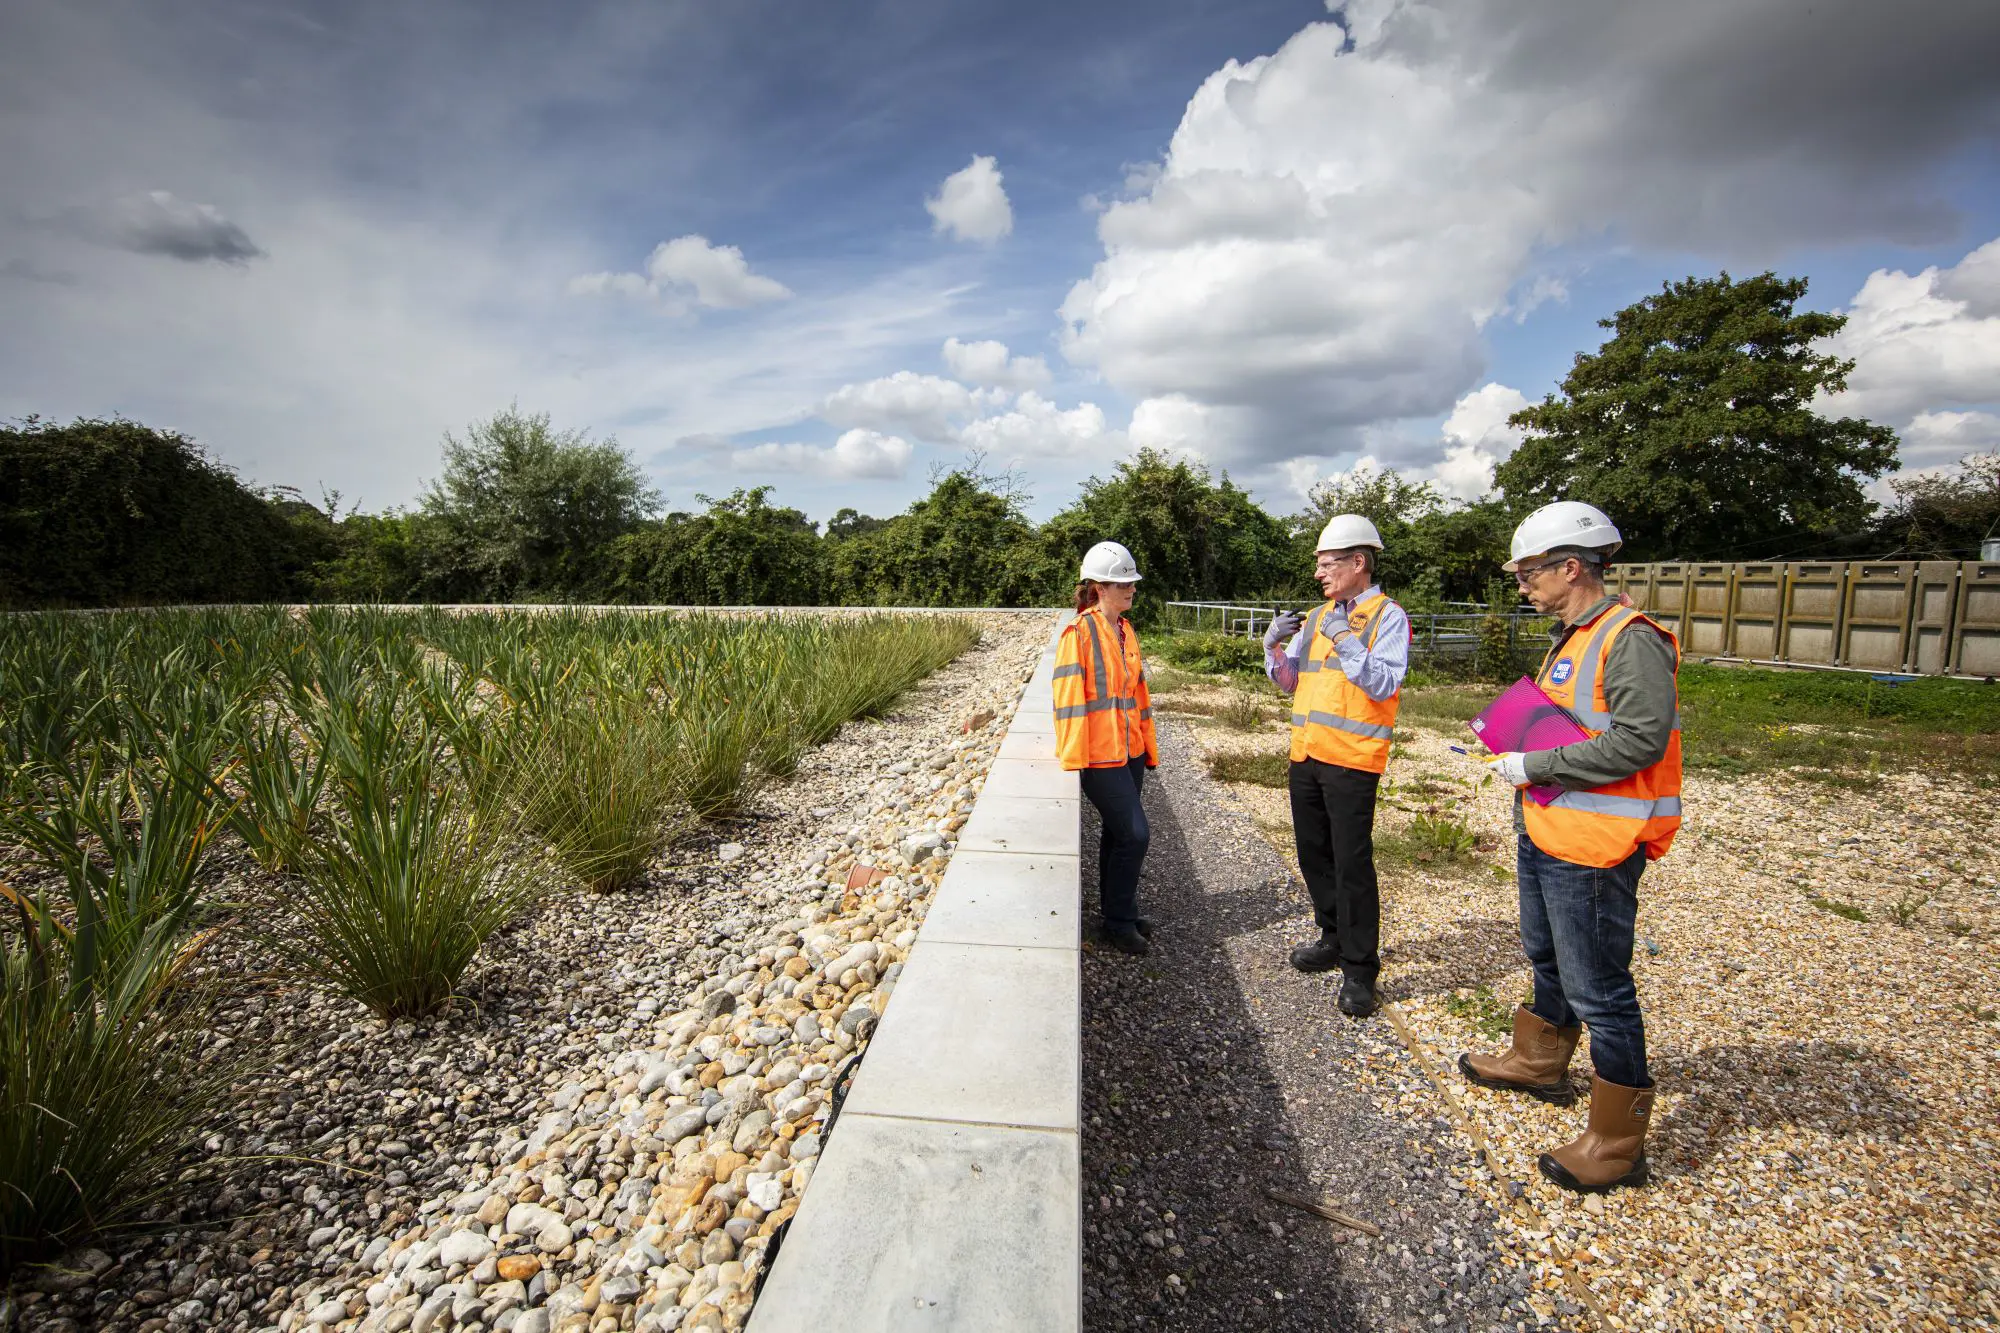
1561 672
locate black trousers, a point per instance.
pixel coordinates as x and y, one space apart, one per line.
1121 847
1333 824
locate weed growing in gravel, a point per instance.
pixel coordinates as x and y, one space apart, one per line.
1433 839
1488 1016
1264 770
1904 910
1241 713
1169 680
1846 910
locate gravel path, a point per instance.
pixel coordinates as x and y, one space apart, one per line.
1213 1072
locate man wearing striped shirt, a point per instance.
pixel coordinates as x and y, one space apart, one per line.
1344 666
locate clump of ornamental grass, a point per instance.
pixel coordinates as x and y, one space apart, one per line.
413 872
603 788
282 776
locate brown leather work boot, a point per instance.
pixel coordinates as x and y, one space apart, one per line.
1611 1151
1537 1063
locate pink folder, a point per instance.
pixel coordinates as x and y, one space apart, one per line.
1524 718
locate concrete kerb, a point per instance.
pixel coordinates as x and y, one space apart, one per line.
948 1194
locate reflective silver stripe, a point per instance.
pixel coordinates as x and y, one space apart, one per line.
1590 662
1339 723
1073 669
1094 706
1622 807
1146 714
1096 655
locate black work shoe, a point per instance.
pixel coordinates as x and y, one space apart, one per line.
1145 926
1357 998
1125 939
1322 955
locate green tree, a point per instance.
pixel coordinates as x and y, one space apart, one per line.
110 512
523 509
1694 426
964 544
848 523
741 552
1193 536
1945 515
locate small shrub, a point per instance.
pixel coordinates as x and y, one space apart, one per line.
1263 770
1241 713
1431 839
1214 654
1904 910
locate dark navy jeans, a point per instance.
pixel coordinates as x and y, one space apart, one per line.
1576 926
1121 849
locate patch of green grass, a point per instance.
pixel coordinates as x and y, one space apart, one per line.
1487 1015
1264 770
1840 909
1446 706
1242 713
1168 680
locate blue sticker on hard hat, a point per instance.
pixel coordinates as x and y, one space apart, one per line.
1562 671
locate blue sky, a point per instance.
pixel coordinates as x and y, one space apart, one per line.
776 244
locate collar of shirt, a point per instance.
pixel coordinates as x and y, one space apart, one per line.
1362 596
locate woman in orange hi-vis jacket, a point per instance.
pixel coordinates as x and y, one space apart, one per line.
1104 733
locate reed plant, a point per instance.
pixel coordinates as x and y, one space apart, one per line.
414 871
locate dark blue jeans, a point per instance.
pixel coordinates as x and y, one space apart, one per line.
1121 849
1576 926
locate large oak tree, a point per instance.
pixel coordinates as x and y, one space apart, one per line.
1695 427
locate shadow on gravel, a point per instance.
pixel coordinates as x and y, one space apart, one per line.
1471 953
1832 1087
1185 1124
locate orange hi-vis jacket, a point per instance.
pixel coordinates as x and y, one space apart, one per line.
1603 826
1104 716
1333 719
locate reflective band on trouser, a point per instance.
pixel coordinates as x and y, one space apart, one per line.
1103 712
1333 719
1604 826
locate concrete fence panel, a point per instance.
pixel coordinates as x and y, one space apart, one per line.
1706 619
1756 605
1669 595
1934 603
1811 632
1975 636
1635 582
1875 615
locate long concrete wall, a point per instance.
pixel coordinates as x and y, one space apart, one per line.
1925 617
947 1196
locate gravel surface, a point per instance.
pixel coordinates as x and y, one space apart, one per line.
1213 1072
1829 1086
610 1131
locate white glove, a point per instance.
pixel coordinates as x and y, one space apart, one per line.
1283 627
1512 768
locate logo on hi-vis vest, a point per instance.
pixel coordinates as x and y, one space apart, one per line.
1561 672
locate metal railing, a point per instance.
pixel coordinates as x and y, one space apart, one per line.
1434 634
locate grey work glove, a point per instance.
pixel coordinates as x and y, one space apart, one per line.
1283 627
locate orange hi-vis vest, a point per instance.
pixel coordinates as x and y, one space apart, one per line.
1603 826
1333 719
1104 715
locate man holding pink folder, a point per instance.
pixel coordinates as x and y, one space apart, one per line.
1606 803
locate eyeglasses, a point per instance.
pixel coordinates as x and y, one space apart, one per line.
1526 574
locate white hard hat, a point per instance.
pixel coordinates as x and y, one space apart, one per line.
1108 562
1564 523
1344 532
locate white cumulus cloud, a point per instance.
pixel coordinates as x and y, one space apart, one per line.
856 455
1334 227
1923 344
971 204
716 276
1037 428
1477 438
989 365
922 405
